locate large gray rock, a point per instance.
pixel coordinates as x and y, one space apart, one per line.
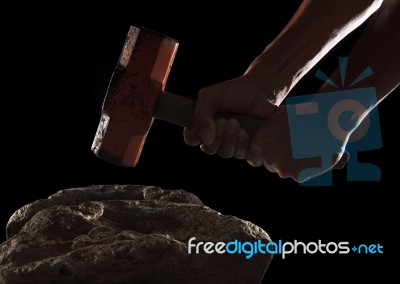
125 234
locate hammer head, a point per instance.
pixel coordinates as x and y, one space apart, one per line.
137 81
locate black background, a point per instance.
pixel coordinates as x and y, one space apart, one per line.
58 65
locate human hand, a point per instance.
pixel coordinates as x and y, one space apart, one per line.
271 144
271 147
226 138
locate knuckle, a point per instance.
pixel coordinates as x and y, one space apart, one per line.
234 125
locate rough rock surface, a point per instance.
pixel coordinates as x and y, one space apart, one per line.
125 234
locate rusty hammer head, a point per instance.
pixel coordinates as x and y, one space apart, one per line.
138 79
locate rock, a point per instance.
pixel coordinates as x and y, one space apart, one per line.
125 234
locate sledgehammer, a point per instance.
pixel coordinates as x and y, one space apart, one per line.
135 97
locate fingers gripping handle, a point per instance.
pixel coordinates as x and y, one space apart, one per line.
179 110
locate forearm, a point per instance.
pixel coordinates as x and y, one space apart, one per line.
379 47
315 28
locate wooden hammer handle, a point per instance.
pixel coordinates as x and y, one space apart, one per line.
179 110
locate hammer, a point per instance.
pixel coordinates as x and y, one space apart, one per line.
135 97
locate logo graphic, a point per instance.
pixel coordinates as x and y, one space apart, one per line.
280 247
320 125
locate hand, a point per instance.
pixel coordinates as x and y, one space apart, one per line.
241 96
271 147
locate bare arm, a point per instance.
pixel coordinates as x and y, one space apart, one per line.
313 31
315 28
378 47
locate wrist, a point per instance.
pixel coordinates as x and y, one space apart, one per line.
271 82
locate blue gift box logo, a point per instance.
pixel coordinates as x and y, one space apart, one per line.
319 124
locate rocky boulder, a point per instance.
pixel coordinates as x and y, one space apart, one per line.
125 234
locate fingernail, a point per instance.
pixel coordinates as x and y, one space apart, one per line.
206 136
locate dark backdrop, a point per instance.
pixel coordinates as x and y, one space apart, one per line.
58 65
